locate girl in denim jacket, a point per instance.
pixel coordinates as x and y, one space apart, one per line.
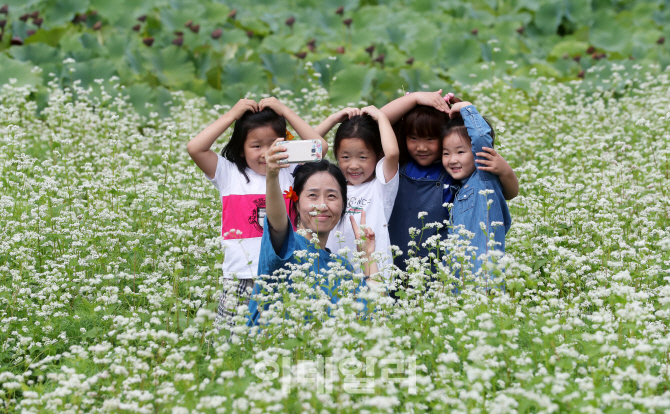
479 205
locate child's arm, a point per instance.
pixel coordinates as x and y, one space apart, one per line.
304 130
396 109
199 147
275 207
496 164
336 118
389 142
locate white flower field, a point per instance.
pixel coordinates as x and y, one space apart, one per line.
110 269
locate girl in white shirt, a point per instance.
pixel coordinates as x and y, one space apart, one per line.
239 175
367 151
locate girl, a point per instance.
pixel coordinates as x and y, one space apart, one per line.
367 152
465 136
239 175
319 204
424 183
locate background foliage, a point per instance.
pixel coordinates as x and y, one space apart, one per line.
225 49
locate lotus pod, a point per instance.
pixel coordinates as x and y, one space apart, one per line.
250 34
312 42
340 50
94 12
16 41
179 33
577 58
301 55
30 32
370 49
410 61
590 50
474 31
380 58
35 14
4 9
232 14
340 10
3 23
178 41
148 41
581 74
24 18
660 40
97 26
195 28
520 30
142 18
347 22
217 33
189 24
290 21
38 22
137 27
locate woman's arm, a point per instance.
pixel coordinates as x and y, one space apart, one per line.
334 119
302 128
496 164
199 147
396 109
275 207
389 142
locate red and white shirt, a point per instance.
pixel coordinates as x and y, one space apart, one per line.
242 215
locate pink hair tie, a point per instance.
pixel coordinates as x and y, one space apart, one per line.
448 97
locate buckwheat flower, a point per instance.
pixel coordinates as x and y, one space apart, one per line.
422 214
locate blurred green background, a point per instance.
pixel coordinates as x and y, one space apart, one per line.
355 49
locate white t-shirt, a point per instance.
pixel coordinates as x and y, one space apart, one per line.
376 197
242 215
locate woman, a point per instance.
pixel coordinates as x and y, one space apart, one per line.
318 203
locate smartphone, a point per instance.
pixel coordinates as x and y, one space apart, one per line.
302 151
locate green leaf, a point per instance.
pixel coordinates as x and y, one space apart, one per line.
59 12
570 47
238 79
20 71
463 52
347 86
548 17
606 35
283 68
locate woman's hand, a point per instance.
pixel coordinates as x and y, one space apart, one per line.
242 106
274 104
273 159
367 235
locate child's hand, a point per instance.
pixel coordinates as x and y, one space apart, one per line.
375 113
274 104
345 114
456 108
433 99
494 162
368 245
242 106
273 159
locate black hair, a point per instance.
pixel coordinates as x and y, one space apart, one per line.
363 127
234 150
421 121
302 174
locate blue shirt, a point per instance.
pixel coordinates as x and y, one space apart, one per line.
432 172
470 208
270 262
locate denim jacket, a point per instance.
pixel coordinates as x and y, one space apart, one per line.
470 207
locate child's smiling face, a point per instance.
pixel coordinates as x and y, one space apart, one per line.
258 142
356 160
457 156
424 150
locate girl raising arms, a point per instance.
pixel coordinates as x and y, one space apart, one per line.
239 175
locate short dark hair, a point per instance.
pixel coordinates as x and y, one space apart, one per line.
302 174
421 121
363 127
251 120
457 126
